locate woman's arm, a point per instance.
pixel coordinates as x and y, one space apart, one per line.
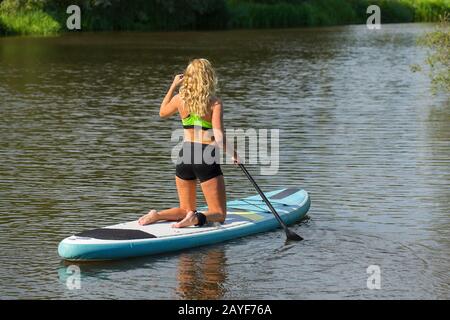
219 132
170 103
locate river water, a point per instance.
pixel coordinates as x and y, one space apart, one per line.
81 146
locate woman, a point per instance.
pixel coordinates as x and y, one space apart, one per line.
201 113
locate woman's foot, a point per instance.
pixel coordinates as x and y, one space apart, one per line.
189 220
149 218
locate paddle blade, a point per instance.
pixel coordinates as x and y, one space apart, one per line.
291 235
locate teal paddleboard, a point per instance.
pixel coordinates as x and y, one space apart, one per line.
244 217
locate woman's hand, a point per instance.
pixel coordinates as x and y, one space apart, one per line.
177 80
236 159
169 105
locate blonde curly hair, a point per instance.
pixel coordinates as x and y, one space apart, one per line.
198 87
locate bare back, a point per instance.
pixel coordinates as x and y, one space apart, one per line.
199 135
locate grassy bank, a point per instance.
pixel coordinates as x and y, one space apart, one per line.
28 23
42 17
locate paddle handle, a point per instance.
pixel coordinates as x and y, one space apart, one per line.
275 213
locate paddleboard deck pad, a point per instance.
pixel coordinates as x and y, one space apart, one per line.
244 217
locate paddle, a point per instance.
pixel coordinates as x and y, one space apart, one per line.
291 235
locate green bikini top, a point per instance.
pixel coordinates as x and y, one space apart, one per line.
194 120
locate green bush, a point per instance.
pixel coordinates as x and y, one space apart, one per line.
26 17
28 23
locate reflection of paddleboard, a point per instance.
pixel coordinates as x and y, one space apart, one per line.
247 216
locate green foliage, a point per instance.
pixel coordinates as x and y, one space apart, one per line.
428 10
26 17
438 60
395 11
269 14
42 16
145 14
11 6
291 13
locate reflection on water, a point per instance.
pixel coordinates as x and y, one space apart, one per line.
81 146
201 276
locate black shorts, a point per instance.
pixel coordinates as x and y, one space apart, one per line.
198 161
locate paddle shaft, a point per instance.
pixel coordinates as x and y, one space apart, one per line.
275 213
